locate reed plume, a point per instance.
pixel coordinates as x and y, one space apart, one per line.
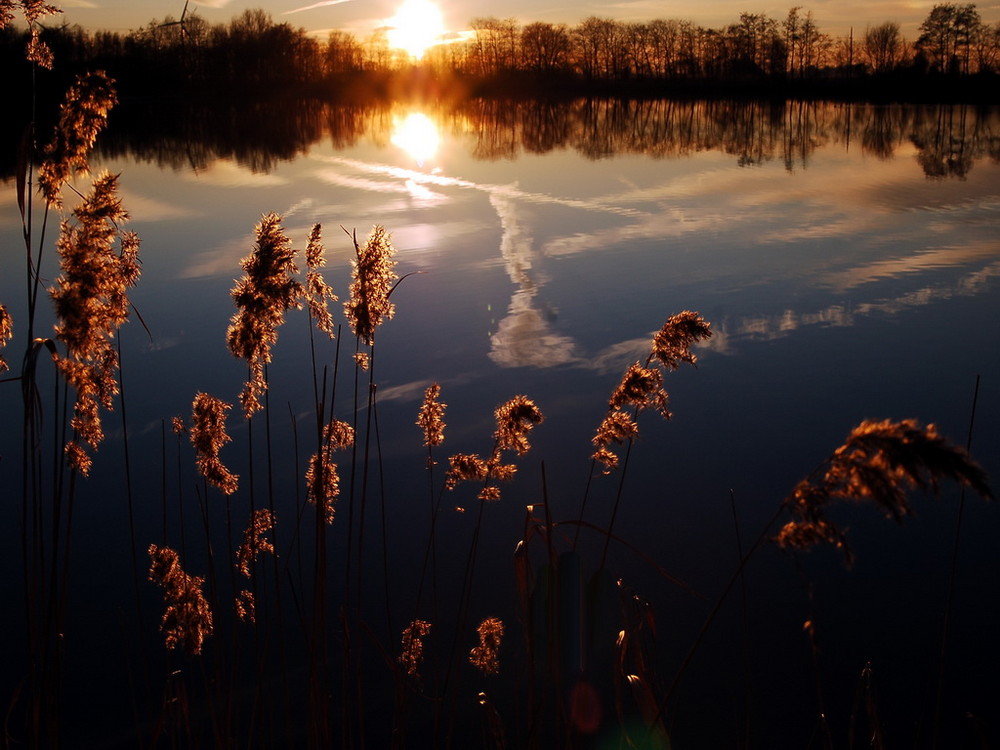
187 621
465 467
672 343
322 479
372 281
412 652
32 10
515 419
641 387
208 435
178 426
879 462
6 334
431 416
37 51
486 656
254 542
318 294
91 303
83 114
246 606
618 427
267 289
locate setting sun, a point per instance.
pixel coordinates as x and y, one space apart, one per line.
417 25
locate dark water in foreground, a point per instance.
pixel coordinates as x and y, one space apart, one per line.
846 255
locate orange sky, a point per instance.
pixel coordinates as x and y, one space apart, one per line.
362 16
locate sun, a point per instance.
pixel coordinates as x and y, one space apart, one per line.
417 25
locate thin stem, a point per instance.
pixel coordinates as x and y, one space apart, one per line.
711 615
128 483
746 624
618 499
950 593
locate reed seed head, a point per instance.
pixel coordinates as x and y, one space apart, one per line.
431 416
372 280
515 420
642 388
77 458
318 294
38 51
187 621
672 344
208 435
413 646
879 462
617 427
315 252
323 484
6 334
489 494
486 656
254 542
91 302
267 289
322 479
83 115
338 435
31 9
246 606
465 467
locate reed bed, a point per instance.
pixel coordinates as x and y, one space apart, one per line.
270 634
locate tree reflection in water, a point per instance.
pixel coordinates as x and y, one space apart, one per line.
949 138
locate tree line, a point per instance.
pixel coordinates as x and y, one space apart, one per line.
253 51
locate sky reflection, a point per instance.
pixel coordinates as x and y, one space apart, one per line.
775 247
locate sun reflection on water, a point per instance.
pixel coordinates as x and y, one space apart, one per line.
417 135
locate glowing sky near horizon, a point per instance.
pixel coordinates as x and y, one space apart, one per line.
361 17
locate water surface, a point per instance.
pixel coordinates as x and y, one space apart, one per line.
847 257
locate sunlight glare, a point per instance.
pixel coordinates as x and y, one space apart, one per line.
417 135
417 25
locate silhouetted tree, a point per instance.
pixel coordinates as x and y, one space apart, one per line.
343 53
947 36
883 47
545 47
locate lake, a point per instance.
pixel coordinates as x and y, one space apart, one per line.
846 255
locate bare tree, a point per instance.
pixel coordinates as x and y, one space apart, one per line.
986 48
494 46
883 47
601 48
343 53
545 47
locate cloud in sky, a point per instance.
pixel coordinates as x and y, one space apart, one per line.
321 4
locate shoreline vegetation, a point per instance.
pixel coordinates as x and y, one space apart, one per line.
285 639
956 58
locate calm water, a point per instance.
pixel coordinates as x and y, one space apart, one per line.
847 256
